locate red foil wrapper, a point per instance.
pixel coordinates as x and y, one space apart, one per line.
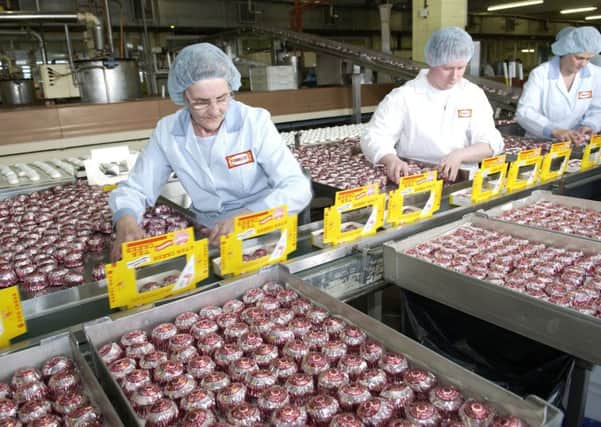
57 277
262 325
334 351
63 382
345 419
5 392
251 314
233 306
10 422
30 391
272 288
210 312
180 341
353 365
353 337
446 398
200 366
8 408
334 326
168 371
137 336
232 395
99 272
317 315
400 395
250 342
244 415
137 351
300 326
316 338
283 368
227 354
233 332
374 379
252 296
258 381
48 420
68 402
184 321
180 387
265 354
272 399
153 359
371 352
286 297
422 413
226 319
215 381
315 363
161 334
375 412
162 414
199 398
134 380
290 416
351 396
210 343
394 364
185 354
321 409
57 364
300 387
475 413
508 421
300 307
144 397
34 409
331 380
199 418
34 282
120 368
279 335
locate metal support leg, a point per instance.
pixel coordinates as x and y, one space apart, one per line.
577 397
356 80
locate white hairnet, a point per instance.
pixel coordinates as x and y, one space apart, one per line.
564 31
581 39
448 45
198 62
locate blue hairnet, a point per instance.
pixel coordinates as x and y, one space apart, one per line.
448 45
581 39
564 31
198 62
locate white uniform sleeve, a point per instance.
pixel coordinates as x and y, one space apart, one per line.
144 184
289 185
529 112
383 131
592 117
483 125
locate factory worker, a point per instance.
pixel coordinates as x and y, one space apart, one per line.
438 117
228 156
562 98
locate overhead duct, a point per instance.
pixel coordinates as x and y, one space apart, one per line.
87 18
32 34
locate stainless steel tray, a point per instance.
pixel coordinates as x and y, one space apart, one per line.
532 409
564 329
62 344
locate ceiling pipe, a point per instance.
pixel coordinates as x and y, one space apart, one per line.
109 28
31 33
87 18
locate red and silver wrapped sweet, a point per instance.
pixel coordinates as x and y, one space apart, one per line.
199 418
300 326
199 398
180 341
290 416
99 272
73 278
374 379
180 387
68 402
161 334
282 316
48 420
210 343
375 412
153 359
137 336
317 315
346 419
272 399
316 338
279 335
137 351
353 337
226 319
272 288
400 395
241 368
184 321
8 408
252 296
5 392
120 368
64 382
250 342
34 282
227 354
144 397
508 421
394 364
446 398
262 325
300 386
8 277
215 381
200 366
210 312
162 414
244 414
334 351
95 243
353 365
371 352
233 306
331 380
334 326
265 354
250 314
73 258
134 380
167 371
57 364
30 391
232 395
286 297
57 277
34 409
233 332
259 380
321 409
184 355
282 368
474 413
351 396
300 307
315 363
422 413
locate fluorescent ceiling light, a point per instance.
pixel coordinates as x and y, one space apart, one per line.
514 4
527 50
592 17
578 10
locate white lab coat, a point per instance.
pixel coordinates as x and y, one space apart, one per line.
271 179
546 103
413 123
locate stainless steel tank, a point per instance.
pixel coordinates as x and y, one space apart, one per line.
17 91
108 80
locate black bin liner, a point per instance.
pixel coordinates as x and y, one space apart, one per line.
512 361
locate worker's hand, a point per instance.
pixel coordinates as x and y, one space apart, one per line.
449 165
585 134
567 135
394 167
223 227
127 229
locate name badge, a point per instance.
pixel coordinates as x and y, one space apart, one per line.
585 94
239 159
464 114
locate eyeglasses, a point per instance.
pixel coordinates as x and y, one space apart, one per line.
204 104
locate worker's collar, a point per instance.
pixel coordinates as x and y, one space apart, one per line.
422 85
554 72
232 120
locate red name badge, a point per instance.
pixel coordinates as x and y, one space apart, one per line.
464 114
585 94
239 159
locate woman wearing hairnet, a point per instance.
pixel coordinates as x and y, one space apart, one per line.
562 98
438 117
228 156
